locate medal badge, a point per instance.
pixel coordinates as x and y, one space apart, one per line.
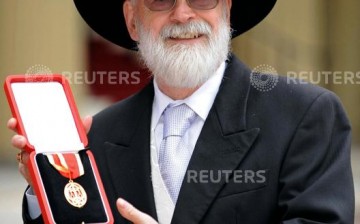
70 166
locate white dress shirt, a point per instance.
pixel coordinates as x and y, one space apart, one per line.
200 102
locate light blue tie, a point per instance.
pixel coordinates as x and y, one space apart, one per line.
174 155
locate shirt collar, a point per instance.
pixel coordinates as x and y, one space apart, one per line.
200 101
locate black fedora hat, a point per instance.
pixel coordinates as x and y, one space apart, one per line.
106 17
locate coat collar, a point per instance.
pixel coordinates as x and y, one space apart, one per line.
222 144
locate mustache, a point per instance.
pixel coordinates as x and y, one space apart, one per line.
193 27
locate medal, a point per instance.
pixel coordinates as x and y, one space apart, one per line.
75 194
70 166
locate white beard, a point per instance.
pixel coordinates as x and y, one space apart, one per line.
185 65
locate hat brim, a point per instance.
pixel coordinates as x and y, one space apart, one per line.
105 17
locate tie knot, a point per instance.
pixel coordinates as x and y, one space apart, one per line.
177 120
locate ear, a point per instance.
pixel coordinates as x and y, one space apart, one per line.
129 14
228 8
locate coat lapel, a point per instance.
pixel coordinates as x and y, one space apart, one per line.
222 145
130 154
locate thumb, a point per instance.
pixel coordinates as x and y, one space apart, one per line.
132 214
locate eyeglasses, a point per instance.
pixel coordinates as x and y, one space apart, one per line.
167 5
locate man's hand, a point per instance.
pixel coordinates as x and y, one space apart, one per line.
19 142
129 212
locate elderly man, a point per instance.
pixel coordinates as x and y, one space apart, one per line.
199 144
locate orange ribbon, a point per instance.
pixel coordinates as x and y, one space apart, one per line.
69 165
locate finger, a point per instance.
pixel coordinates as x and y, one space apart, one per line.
18 141
23 167
25 156
12 122
87 121
132 214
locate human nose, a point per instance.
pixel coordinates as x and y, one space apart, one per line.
182 12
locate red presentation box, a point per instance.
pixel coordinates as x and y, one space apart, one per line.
64 173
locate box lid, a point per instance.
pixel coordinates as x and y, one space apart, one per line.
46 112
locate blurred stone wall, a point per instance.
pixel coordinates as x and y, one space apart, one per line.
32 33
318 40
